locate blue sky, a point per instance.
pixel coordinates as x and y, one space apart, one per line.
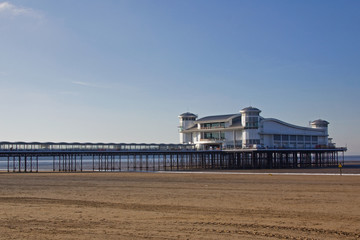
122 71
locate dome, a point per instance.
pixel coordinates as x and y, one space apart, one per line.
319 122
188 115
250 109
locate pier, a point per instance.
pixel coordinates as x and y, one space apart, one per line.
79 157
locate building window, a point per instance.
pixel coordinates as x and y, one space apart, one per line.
214 135
213 125
252 141
251 122
277 137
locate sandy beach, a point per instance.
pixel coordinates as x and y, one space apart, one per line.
178 206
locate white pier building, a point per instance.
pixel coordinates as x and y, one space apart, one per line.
248 129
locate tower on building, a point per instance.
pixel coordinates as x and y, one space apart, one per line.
186 121
250 119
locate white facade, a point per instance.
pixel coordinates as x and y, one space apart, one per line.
248 129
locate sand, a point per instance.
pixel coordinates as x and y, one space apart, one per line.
178 206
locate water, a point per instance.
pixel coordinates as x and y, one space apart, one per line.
348 158
87 164
47 164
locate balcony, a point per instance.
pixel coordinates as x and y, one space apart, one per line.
216 127
212 140
212 125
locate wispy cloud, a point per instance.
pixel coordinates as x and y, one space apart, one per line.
87 84
10 9
69 93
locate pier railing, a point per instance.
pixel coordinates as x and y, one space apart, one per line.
63 146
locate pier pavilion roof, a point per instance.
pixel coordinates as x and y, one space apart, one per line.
217 118
188 114
250 109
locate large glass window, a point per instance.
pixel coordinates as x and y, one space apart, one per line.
277 137
213 125
251 122
214 135
252 141
285 137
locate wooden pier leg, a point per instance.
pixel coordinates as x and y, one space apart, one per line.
63 163
120 156
25 163
106 162
112 163
253 163
153 161
31 163
164 161
171 162
99 162
269 159
140 162
182 161
128 162
286 160
103 163
220 161
280 164
19 163
196 164
202 160
177 162
190 160
70 162
158 157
